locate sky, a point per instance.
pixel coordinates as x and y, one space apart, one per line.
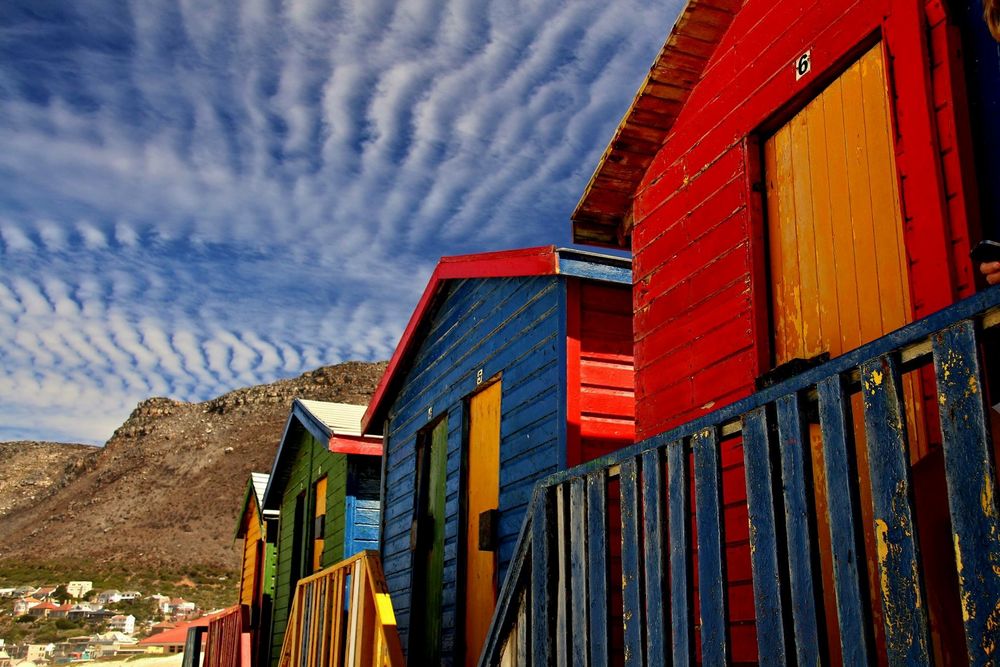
198 196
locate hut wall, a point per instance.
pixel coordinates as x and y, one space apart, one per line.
701 301
251 555
513 327
600 397
311 462
702 322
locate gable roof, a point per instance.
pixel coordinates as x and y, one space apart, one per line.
256 486
524 262
336 424
603 215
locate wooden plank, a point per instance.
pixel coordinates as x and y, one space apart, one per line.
654 556
680 555
971 491
522 631
848 552
768 602
578 569
561 568
597 567
542 603
903 602
708 515
633 620
791 438
482 494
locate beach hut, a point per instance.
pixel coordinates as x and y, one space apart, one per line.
259 531
795 180
324 484
514 365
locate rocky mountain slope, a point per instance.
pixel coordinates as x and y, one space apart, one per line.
29 470
166 488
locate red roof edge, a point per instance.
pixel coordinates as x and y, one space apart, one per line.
538 261
367 445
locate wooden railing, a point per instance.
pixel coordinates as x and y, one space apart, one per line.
343 616
225 642
554 605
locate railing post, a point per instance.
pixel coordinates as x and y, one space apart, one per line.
680 554
798 535
768 603
971 493
578 569
633 618
903 600
848 553
597 566
711 565
542 581
654 530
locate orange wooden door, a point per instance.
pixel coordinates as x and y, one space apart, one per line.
482 494
839 271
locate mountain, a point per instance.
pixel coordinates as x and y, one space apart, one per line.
165 490
29 470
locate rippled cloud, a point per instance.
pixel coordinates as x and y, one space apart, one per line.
198 196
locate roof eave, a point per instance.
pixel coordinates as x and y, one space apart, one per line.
603 215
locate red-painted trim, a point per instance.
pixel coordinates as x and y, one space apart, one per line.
573 417
351 444
538 261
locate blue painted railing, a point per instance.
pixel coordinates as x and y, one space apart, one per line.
553 605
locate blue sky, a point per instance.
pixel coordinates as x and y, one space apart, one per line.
197 196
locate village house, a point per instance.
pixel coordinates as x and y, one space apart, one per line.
514 364
324 483
78 589
109 596
798 185
23 605
122 623
50 610
258 528
44 592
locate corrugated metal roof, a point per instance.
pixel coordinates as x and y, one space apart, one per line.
339 418
259 480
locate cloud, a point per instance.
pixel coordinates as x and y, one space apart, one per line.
204 195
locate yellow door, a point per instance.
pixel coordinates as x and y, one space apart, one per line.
839 271
319 541
482 495
838 262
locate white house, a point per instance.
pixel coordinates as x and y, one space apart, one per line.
109 596
79 588
23 605
122 623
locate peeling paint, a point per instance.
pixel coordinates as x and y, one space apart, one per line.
986 496
877 378
958 556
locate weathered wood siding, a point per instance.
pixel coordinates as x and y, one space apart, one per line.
700 290
513 327
702 326
311 462
600 377
361 505
251 567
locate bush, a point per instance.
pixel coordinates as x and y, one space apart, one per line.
25 618
66 624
